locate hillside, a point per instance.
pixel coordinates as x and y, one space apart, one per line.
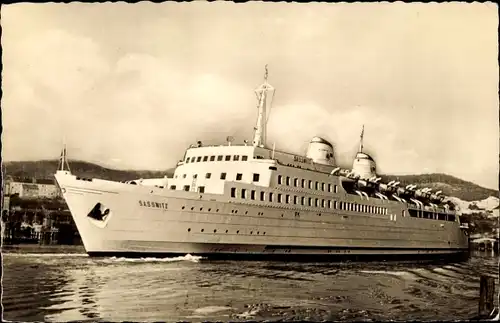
45 169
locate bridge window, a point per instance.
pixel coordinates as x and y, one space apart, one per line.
233 192
236 157
205 158
208 175
212 158
243 193
186 188
303 183
198 159
335 204
262 196
219 158
403 213
330 188
310 185
187 159
271 197
295 199
442 217
413 213
316 186
256 177
279 198
323 185
252 195
451 217
288 199
239 176
310 202
227 158
295 182
323 203
201 189
303 200
172 187
223 176
288 180
244 158
280 179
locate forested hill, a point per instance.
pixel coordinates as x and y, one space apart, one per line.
45 169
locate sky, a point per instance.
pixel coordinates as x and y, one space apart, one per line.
131 86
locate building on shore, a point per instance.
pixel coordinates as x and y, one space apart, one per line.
31 188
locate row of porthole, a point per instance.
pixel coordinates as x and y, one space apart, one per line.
217 210
227 231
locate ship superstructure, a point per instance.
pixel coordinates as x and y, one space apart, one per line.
240 200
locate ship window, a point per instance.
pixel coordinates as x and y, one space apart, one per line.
233 192
295 182
316 186
243 193
302 200
330 188
413 213
244 158
303 183
288 199
236 157
280 180
262 196
273 168
205 158
295 199
172 187
219 158
323 203
335 204
223 176
441 216
228 158
187 159
239 176
271 197
323 186
288 181
451 217
279 198
252 195
310 185
403 213
198 159
256 177
310 201
183 175
195 175
335 188
208 175
201 189
212 158
186 188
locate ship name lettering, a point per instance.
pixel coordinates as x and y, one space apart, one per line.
153 204
299 159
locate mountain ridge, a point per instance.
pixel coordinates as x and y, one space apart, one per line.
45 169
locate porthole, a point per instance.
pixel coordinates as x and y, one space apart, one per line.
236 211
227 231
217 210
257 232
202 230
246 212
251 232
183 207
189 230
192 208
215 230
232 211
263 233
201 208
209 210
238 231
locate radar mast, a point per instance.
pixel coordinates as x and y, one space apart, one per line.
259 138
361 139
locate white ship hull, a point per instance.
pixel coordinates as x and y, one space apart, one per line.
151 221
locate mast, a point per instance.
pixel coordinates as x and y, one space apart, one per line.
361 139
259 138
63 162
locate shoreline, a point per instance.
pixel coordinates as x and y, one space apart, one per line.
35 248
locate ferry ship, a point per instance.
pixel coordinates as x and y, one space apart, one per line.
251 201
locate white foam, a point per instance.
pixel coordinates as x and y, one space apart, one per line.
211 309
187 257
16 254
